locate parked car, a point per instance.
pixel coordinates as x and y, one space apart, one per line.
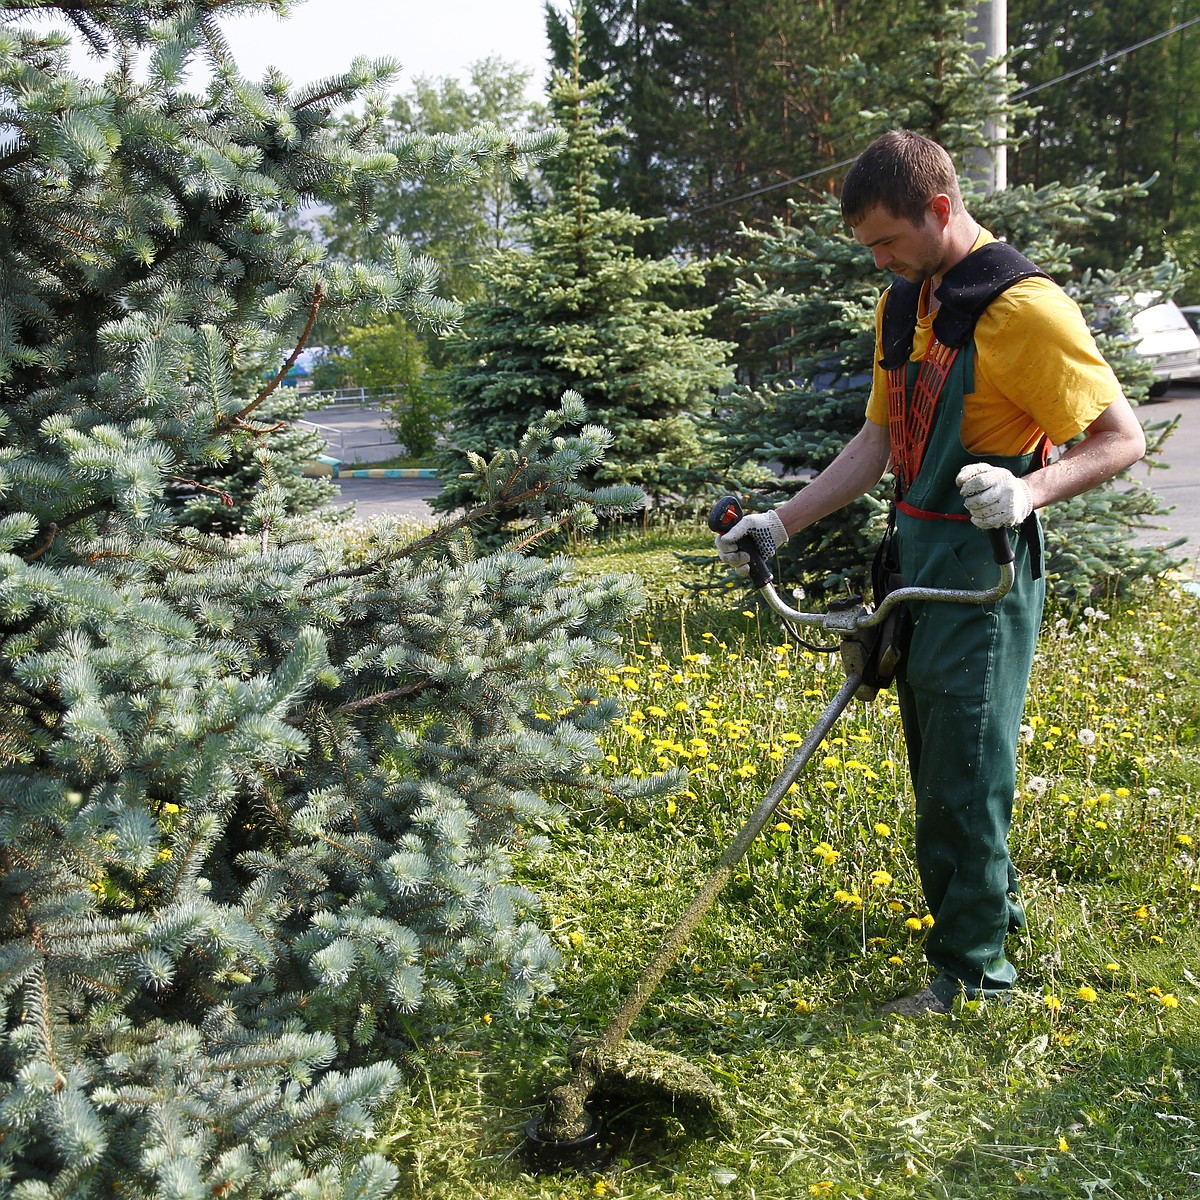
1170 342
1192 312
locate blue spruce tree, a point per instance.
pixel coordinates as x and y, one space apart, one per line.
257 800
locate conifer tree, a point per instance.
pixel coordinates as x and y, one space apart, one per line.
810 292
580 309
257 801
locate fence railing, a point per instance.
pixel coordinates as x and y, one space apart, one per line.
355 397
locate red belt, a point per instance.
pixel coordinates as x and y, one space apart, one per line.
924 514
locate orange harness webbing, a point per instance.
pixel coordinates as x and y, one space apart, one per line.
909 423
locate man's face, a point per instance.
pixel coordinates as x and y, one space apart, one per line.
915 252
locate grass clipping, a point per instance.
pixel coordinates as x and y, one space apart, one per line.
630 1073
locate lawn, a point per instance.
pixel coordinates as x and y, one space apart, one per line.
1086 1085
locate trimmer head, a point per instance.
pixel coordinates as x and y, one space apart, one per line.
570 1133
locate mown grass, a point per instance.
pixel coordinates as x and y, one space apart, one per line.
1086 1084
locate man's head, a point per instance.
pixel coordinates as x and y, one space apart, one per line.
902 200
900 172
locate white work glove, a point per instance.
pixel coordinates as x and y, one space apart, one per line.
768 533
995 497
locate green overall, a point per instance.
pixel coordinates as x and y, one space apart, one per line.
961 691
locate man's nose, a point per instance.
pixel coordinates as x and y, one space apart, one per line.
882 256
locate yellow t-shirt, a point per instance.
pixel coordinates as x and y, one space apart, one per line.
1037 368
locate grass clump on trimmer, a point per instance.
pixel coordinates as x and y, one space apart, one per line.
633 1072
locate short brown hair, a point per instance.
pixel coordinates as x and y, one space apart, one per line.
900 171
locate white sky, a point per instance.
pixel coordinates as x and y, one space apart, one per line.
428 37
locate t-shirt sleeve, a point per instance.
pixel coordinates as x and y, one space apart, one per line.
877 403
1035 349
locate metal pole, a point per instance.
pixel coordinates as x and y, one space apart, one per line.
990 165
712 886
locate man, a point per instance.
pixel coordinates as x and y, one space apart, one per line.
982 363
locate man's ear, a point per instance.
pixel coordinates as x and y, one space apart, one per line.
942 208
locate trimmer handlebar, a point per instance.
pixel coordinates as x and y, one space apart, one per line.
727 512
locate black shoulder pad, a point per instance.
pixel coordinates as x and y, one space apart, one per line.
899 321
967 289
971 285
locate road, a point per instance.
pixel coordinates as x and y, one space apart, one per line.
1176 480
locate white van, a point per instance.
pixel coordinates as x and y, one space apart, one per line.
1169 342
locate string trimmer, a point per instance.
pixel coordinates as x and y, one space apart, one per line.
569 1133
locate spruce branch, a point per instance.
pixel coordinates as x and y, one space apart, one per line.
314 307
47 542
225 498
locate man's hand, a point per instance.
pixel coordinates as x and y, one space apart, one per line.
768 533
995 497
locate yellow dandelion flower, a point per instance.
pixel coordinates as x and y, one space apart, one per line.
1154 991
164 855
1063 1145
747 612
896 960
577 938
1168 1001
487 1018
822 1187
672 808
1122 792
826 853
853 899
1183 839
927 920
915 924
168 807
1088 994
883 830
880 879
782 827
1141 912
655 711
895 906
1053 1003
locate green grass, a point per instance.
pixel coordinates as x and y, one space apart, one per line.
1087 1084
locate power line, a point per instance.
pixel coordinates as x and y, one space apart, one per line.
1103 60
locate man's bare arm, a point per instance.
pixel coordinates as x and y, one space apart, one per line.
1114 441
855 471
